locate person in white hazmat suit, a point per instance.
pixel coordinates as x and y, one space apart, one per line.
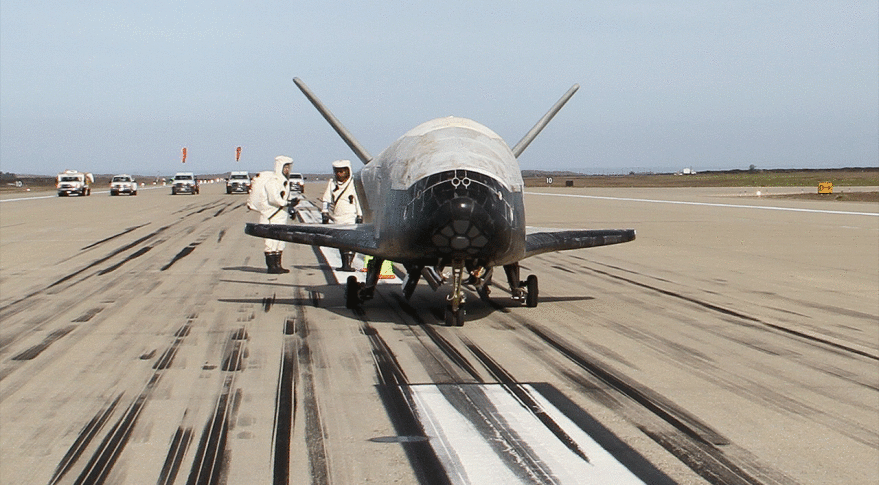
340 198
268 195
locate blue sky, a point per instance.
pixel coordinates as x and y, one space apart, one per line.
108 87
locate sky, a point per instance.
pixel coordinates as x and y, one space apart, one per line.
122 87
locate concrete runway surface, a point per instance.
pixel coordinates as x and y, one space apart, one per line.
735 341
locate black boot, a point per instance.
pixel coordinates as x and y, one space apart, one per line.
280 269
270 263
347 259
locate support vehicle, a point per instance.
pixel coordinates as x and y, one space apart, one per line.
123 184
238 182
184 183
74 182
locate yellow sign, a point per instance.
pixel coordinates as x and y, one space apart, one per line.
825 187
387 271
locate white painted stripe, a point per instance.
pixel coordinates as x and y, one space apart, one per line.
55 196
29 198
465 454
709 204
469 457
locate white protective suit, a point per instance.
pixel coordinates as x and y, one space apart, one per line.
271 202
340 198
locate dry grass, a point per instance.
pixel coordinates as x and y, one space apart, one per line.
762 178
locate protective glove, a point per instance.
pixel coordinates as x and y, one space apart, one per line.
359 220
325 218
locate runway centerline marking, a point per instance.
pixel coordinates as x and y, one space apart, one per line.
709 204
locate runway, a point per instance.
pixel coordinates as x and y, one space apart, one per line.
735 341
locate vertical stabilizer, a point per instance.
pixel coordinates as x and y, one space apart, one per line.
531 135
346 135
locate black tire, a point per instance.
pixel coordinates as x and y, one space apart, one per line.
454 319
531 287
352 288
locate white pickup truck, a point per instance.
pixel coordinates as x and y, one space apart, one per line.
123 184
238 182
74 182
184 183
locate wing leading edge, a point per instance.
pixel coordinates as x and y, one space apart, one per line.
348 237
548 241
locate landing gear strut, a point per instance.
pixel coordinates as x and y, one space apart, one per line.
522 291
355 292
454 316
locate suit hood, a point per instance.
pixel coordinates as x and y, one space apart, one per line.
280 161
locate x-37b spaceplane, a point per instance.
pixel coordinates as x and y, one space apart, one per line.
447 195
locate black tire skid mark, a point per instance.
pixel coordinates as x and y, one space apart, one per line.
182 254
87 316
227 206
314 432
37 349
209 466
9 309
285 406
656 404
167 358
694 443
179 445
104 458
112 254
441 342
397 398
102 461
88 433
740 318
107 239
140 252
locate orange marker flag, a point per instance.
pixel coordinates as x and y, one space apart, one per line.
237 153
184 154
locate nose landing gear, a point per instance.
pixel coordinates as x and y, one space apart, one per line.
454 316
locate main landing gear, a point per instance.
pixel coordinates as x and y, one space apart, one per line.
355 292
524 292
